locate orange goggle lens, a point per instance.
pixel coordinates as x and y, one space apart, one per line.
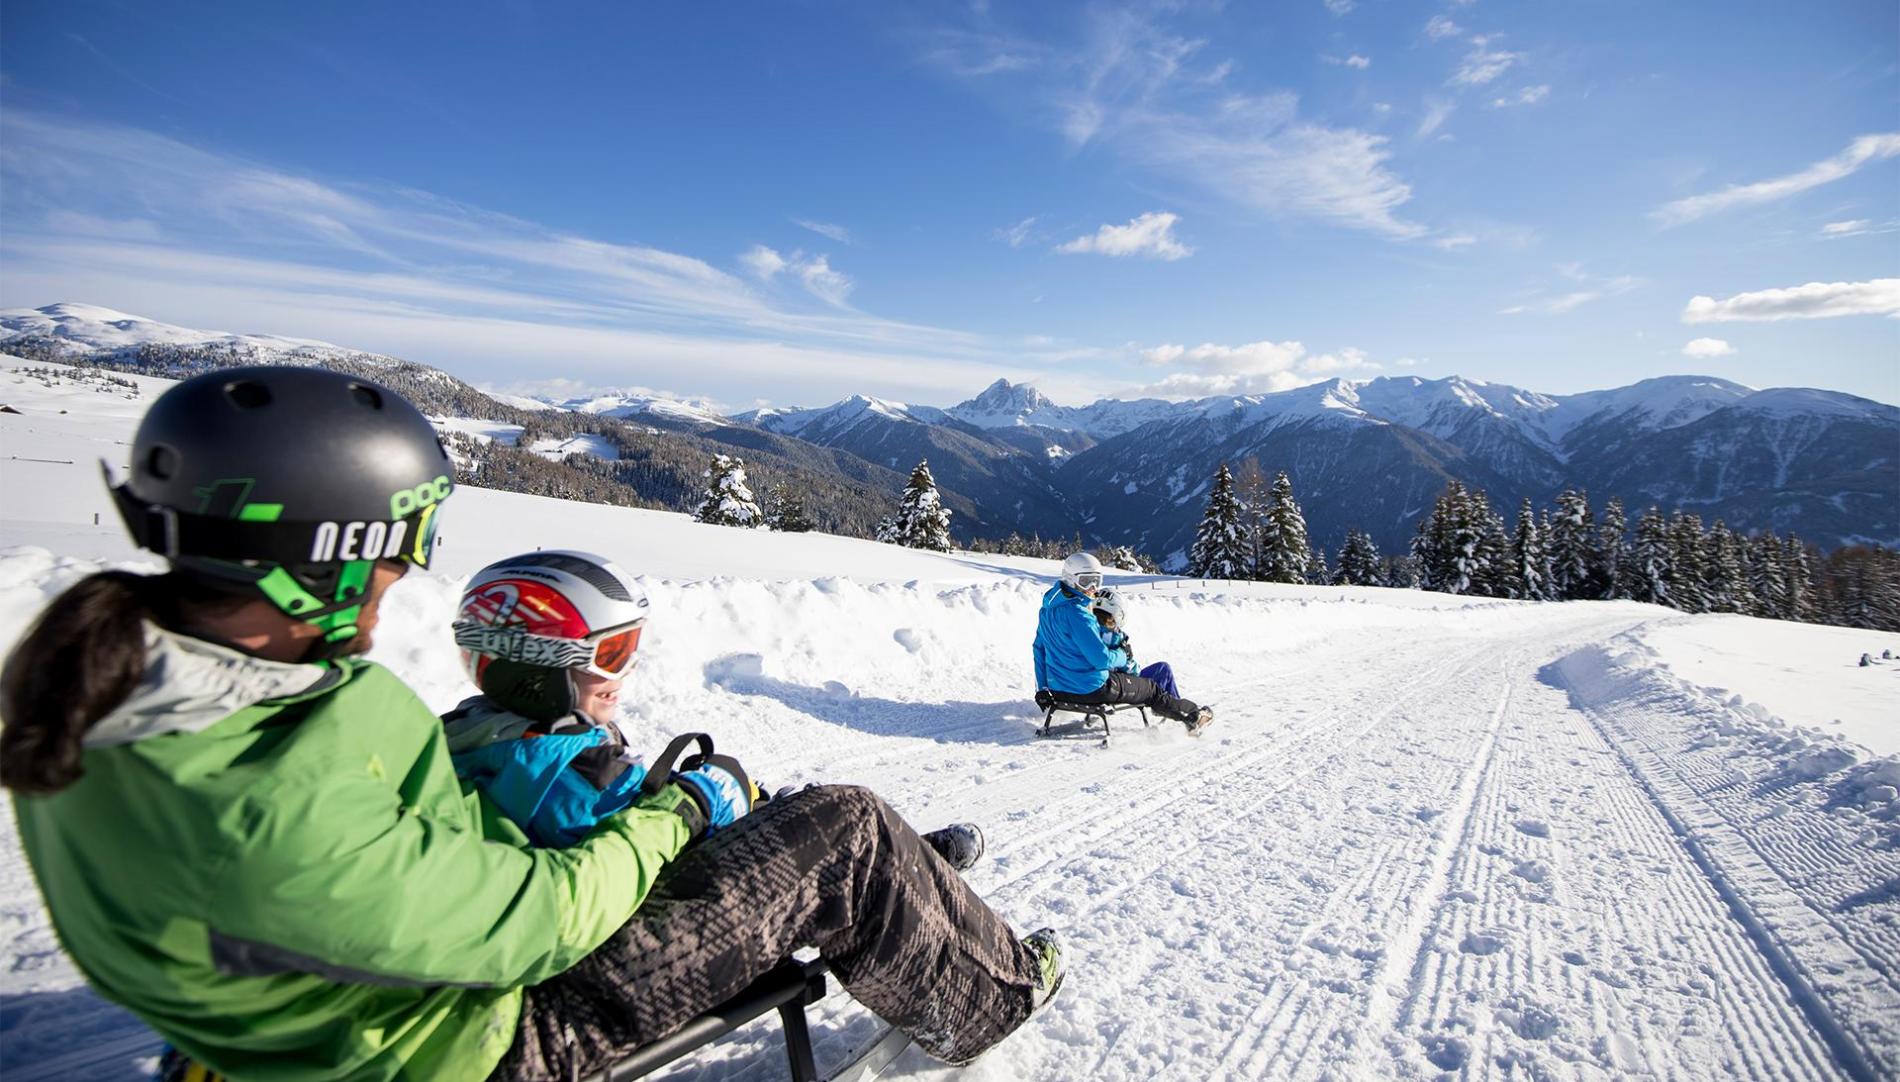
613 655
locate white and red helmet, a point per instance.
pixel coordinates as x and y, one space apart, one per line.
556 609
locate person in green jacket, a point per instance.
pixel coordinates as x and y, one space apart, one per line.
255 840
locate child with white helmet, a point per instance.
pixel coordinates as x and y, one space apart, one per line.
1112 615
1073 664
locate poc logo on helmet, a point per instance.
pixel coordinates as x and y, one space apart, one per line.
410 500
357 541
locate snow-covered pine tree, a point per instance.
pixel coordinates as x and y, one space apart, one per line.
1613 547
1119 557
1572 542
1284 552
785 510
1220 542
922 521
1767 578
1317 573
1491 574
1450 545
1651 570
1728 586
1800 602
1401 570
1530 570
1359 562
1250 488
728 500
1688 582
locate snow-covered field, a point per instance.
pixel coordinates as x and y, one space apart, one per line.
1424 836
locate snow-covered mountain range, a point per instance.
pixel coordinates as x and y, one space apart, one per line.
1367 454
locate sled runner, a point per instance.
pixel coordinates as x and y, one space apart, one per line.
1092 714
789 988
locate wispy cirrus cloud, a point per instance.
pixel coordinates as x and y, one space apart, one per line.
1587 288
1483 63
1149 235
1862 151
1858 227
1125 83
1529 95
1355 61
149 224
1250 368
1440 27
829 230
1815 300
1016 235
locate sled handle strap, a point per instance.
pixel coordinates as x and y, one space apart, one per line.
661 772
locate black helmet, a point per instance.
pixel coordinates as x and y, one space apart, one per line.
290 481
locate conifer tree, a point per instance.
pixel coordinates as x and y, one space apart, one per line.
1317 573
1800 601
1728 585
1572 542
785 510
1250 487
1689 567
1284 552
921 521
1491 572
1767 578
728 499
1613 548
1651 571
1220 543
1530 569
1451 541
1359 562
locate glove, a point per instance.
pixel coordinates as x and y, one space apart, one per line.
1044 700
708 791
724 794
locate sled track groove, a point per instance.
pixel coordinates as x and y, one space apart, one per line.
1847 1052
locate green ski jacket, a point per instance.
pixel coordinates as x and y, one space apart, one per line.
275 867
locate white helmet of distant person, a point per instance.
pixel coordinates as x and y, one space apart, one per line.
1109 600
1082 572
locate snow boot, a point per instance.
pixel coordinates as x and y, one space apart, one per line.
1047 946
1201 720
960 844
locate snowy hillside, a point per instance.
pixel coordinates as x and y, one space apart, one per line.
1424 836
87 327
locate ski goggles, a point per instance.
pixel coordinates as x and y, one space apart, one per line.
1088 580
609 654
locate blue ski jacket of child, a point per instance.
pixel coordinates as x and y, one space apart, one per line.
1070 656
555 780
1120 657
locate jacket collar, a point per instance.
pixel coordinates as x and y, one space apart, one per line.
191 684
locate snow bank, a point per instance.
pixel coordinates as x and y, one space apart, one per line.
1807 674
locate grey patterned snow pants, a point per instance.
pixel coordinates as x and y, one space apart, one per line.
831 867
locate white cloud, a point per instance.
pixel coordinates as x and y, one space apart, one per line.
1867 148
1354 61
1150 234
1703 348
824 283
1341 7
825 229
1594 289
1845 229
227 242
764 263
1253 368
1015 235
1815 300
1530 95
1133 88
1438 28
1436 113
1483 64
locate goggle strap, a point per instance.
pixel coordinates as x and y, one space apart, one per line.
171 533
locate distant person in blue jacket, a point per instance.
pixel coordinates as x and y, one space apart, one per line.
1113 617
1074 665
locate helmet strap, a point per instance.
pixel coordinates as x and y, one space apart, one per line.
337 617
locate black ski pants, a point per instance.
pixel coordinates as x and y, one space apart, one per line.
831 867
1125 687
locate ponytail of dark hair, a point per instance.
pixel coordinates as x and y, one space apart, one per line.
81 659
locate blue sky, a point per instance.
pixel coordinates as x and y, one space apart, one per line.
787 203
